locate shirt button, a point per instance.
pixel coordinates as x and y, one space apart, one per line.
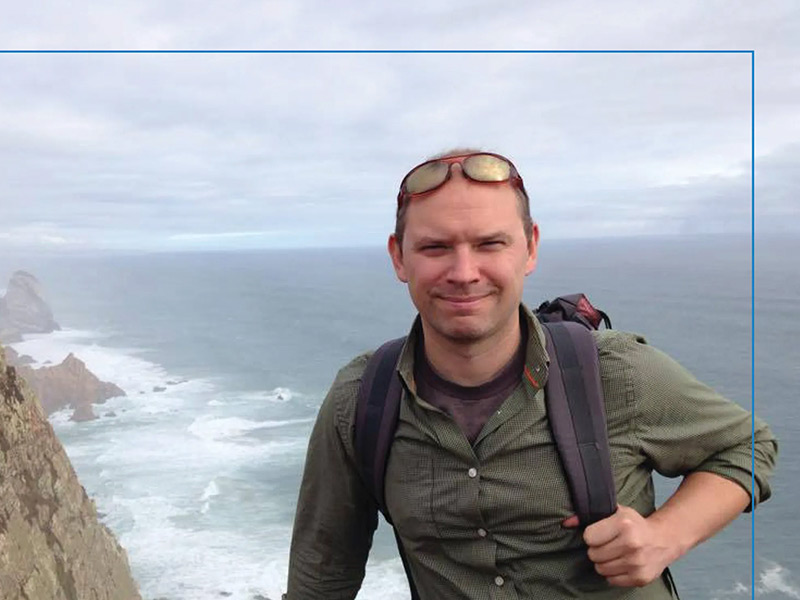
499 581
473 472
482 532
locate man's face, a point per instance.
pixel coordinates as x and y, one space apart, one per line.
465 258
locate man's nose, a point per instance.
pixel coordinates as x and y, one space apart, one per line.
464 268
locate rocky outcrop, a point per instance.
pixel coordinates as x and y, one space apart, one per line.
69 384
23 309
52 546
17 360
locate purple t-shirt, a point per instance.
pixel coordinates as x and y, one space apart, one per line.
470 407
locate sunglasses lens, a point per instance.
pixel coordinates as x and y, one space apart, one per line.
485 167
426 177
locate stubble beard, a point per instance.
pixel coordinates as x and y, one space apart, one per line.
464 330
461 335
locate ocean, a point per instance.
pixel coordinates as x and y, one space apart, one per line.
225 358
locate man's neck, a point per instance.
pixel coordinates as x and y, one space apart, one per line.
475 363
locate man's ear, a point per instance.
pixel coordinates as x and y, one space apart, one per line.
396 254
533 251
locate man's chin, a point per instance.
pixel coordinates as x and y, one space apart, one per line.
463 333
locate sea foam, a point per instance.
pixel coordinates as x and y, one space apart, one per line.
202 564
774 581
775 578
211 428
212 489
120 366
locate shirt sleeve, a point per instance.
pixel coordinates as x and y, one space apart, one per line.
336 517
684 426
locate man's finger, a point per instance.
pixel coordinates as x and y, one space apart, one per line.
571 522
607 552
602 531
613 568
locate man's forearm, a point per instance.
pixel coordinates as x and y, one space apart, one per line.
335 518
702 505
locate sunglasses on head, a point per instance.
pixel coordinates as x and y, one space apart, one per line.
481 167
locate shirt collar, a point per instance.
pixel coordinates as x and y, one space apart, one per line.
536 359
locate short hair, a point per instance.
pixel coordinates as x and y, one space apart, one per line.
523 203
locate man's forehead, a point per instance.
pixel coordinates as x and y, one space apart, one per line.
468 220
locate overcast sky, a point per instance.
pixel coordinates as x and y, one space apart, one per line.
209 151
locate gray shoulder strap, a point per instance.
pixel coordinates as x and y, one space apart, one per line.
376 417
576 411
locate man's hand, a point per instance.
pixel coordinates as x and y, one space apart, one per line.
631 550
628 549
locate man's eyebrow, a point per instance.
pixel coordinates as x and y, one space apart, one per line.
500 236
426 240
497 236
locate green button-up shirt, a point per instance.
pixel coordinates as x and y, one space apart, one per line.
483 521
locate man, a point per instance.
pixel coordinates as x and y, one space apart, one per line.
474 484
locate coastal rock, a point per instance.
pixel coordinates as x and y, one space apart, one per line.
17 360
69 384
52 545
83 412
23 309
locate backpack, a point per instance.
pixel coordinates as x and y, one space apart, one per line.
574 403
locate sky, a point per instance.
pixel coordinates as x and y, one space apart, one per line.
181 152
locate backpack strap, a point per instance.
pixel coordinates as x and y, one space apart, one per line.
377 413
376 417
576 412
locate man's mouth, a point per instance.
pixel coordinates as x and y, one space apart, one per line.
463 302
464 299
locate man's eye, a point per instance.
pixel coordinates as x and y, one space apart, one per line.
434 247
492 244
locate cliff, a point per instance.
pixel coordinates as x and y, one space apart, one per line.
52 546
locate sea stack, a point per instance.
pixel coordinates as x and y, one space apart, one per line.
69 383
52 544
23 309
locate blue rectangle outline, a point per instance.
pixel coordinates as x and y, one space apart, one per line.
752 185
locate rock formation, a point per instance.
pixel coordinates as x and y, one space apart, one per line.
69 384
23 309
17 360
52 546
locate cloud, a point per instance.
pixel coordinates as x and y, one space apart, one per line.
150 150
36 234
